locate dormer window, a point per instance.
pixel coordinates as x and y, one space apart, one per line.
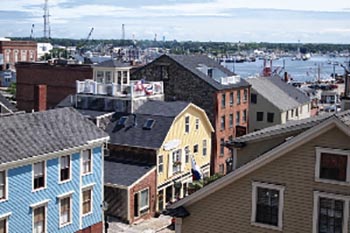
149 124
122 121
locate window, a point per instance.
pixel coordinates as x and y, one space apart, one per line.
87 162
187 154
223 100
122 120
296 112
65 211
204 147
2 185
270 116
160 163
238 97
221 169
141 200
87 201
65 168
108 77
292 113
245 95
231 120
287 116
187 124
39 221
195 148
231 99
99 77
223 123
164 72
176 161
197 124
244 117
238 118
222 147
148 124
267 208
3 225
39 175
332 165
23 55
259 116
253 98
330 213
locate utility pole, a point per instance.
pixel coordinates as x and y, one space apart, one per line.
46 16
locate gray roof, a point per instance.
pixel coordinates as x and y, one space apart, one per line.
162 108
136 136
192 62
124 173
7 104
279 93
33 134
113 63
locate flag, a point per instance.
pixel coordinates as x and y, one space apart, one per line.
196 171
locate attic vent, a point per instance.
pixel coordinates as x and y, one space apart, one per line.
148 124
122 121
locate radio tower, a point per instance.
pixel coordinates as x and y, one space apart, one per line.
47 29
123 32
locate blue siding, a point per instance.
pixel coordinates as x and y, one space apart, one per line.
21 196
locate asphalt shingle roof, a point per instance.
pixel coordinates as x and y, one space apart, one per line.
33 134
124 173
192 62
7 104
162 108
279 93
113 63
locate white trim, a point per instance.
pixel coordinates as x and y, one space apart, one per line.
64 195
70 210
59 169
91 185
139 202
85 188
82 162
346 199
340 152
115 186
38 204
45 177
45 214
158 164
5 215
280 189
6 218
6 186
264 159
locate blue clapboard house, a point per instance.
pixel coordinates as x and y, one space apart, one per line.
51 173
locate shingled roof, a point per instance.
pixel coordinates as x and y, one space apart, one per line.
193 62
113 63
162 108
28 135
284 96
7 104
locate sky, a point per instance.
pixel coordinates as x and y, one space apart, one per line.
307 21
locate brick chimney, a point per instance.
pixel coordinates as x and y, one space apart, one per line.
40 97
286 77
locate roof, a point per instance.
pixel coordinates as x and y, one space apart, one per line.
289 126
7 104
162 108
113 63
192 62
28 135
340 120
124 173
284 96
134 135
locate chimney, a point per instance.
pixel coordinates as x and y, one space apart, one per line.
40 98
286 77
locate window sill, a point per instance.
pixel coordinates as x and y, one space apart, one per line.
65 224
39 189
64 181
87 214
320 180
262 225
3 200
86 174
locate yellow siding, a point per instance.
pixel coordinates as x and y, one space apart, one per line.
177 132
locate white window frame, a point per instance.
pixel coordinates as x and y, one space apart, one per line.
197 124
70 169
39 205
205 146
6 187
320 150
88 187
6 218
346 199
60 197
187 124
91 162
45 176
161 163
145 207
187 153
280 188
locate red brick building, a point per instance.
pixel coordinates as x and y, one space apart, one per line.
17 51
204 82
42 86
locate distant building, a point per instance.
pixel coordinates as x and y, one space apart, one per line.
6 107
273 102
17 51
44 48
51 172
289 178
223 95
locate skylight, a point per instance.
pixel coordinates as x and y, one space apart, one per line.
148 124
122 120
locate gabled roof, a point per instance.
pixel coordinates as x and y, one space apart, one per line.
340 120
284 96
7 104
123 173
112 63
162 108
193 62
33 134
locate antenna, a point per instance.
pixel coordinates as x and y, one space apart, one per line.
32 32
46 16
123 32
